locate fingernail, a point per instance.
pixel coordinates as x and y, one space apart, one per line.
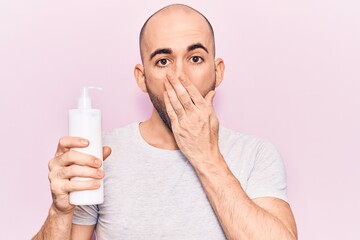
84 141
100 173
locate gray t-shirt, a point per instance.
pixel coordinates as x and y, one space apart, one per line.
152 193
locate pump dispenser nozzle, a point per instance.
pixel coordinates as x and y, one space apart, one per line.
84 100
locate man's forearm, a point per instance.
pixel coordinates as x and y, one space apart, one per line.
239 216
56 226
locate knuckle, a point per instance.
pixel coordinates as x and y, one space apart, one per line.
52 187
62 141
55 187
59 159
187 104
61 173
182 96
50 177
183 80
178 111
51 164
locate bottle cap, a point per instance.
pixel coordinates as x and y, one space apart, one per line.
84 100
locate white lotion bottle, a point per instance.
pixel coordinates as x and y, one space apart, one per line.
85 122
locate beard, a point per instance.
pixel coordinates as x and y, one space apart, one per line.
160 107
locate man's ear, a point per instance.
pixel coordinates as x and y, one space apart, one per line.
219 71
140 77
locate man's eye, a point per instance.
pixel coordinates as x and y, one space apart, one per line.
162 62
196 59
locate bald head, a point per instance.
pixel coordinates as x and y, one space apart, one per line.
171 14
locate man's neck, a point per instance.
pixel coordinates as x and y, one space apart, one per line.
155 133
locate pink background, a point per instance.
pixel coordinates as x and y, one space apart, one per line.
292 76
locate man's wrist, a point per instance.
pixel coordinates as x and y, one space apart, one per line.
215 175
56 212
210 164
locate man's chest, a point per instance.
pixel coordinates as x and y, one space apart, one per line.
158 206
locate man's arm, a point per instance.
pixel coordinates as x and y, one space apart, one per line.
195 128
56 226
241 217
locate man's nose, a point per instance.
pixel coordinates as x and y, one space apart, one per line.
179 68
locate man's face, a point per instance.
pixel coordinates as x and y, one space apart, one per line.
177 43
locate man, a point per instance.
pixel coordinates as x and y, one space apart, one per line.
177 175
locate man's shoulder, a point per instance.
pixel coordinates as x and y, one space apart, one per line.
230 135
229 139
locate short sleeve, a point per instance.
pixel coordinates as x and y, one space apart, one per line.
86 215
268 176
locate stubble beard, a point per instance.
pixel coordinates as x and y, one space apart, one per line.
159 107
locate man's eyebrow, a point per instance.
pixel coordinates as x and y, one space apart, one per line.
160 51
196 46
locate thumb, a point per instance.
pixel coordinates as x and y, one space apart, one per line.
210 97
106 152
